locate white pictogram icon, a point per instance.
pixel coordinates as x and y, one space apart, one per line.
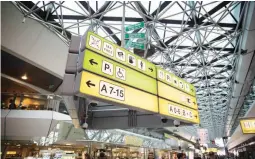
108 49
95 42
131 60
107 68
120 54
141 65
120 73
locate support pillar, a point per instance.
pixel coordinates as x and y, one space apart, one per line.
53 104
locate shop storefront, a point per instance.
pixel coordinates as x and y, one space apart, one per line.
32 151
94 149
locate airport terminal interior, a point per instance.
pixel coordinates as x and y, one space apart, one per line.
127 79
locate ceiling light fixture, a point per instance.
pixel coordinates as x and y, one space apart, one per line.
24 77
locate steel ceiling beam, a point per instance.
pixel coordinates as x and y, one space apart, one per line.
199 20
212 11
162 7
198 65
107 29
204 47
87 7
209 64
134 19
42 14
231 50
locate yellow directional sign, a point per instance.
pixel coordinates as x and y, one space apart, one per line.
110 50
100 65
176 95
248 125
174 81
99 88
212 150
177 111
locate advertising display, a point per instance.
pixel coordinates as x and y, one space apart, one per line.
248 125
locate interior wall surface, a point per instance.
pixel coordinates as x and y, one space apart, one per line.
31 41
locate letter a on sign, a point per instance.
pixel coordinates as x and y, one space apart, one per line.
104 89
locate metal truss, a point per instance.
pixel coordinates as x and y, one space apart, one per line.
198 41
248 101
114 137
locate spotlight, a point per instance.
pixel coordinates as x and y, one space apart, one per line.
24 77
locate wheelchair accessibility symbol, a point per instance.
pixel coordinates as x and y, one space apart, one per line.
120 73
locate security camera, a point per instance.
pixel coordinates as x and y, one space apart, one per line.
24 20
164 120
85 125
177 123
93 104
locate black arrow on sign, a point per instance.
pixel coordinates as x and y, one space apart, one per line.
194 102
151 69
192 89
91 61
90 84
196 116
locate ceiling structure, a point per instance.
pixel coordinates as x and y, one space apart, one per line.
65 133
198 41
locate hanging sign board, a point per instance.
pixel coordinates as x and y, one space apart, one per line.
203 136
102 66
248 125
99 88
134 26
136 45
175 95
177 111
135 35
174 81
110 50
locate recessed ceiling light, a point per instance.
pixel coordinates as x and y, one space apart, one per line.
24 77
68 144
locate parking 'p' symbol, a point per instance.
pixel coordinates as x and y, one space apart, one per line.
107 68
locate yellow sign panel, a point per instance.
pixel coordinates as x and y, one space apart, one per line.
106 48
177 111
176 95
132 140
100 65
174 81
212 150
100 88
248 125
